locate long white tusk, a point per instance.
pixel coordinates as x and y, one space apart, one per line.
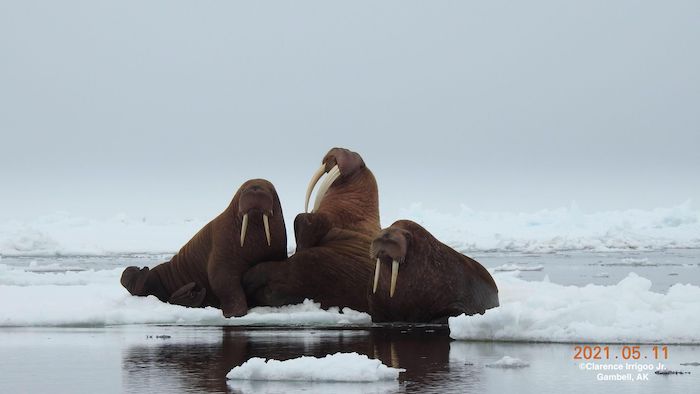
244 228
333 174
266 223
376 276
394 276
310 188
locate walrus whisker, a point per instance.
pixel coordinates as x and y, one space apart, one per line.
333 174
376 276
244 228
394 276
314 179
266 223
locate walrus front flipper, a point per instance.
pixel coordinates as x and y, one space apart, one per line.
188 296
143 282
309 229
134 280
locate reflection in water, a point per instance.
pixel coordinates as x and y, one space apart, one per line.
197 359
200 363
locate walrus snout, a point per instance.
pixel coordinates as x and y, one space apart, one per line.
391 245
256 199
338 162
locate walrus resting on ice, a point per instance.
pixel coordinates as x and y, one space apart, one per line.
331 264
207 271
419 279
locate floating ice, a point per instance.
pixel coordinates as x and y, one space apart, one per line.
95 298
508 362
633 262
627 312
517 267
339 367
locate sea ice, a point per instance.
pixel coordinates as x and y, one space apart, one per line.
545 231
96 298
517 267
627 312
339 367
508 362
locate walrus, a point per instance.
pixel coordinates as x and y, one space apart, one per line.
331 264
419 279
207 271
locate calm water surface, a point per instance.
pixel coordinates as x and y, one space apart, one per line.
196 359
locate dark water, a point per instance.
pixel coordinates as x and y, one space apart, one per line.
133 359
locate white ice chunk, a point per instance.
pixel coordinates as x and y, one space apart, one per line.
627 312
339 367
517 267
508 362
96 298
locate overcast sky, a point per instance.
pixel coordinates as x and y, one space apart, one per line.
164 108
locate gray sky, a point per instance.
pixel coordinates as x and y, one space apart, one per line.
164 108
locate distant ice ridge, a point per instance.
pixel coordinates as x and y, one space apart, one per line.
96 298
627 312
64 234
338 367
562 229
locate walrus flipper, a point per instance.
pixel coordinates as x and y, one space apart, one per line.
309 229
188 296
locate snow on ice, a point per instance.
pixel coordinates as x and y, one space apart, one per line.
627 312
339 367
508 362
95 298
563 229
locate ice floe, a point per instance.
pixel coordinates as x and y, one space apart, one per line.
622 313
95 298
338 367
508 362
562 229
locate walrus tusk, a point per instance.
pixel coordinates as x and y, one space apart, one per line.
376 276
244 228
394 275
333 174
266 222
310 188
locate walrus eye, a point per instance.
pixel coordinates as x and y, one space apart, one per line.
333 174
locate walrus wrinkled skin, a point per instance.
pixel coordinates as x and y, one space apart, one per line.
419 279
207 271
331 264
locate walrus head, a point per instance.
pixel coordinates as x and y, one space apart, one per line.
340 164
257 198
391 245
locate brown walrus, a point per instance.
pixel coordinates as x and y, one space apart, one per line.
207 271
419 279
331 264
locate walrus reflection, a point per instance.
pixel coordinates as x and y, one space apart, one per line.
196 365
200 362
